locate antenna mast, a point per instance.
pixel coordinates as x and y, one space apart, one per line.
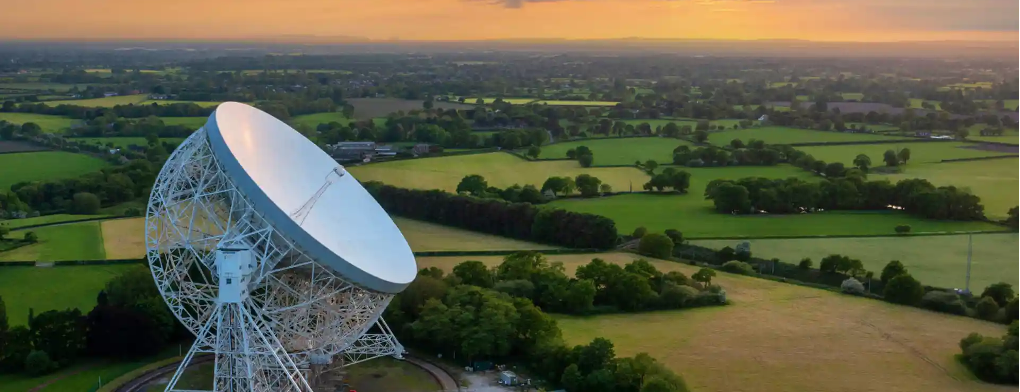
300 214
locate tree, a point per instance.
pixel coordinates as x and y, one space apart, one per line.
675 235
902 229
736 143
821 105
700 136
862 162
805 263
890 158
572 153
31 129
605 188
987 308
472 184
704 275
4 231
558 185
651 165
30 237
586 160
533 152
835 170
474 273
84 203
572 380
729 197
891 270
904 290
1001 292
38 363
639 232
1013 220
656 245
904 155
587 185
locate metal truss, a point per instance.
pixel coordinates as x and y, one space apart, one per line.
312 312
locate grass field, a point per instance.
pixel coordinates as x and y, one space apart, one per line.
48 123
123 238
915 103
45 219
45 165
784 135
695 217
313 120
124 142
852 96
512 101
205 104
53 288
616 151
83 376
73 241
995 181
934 260
40 86
923 152
107 102
577 103
1010 136
778 337
191 122
499 169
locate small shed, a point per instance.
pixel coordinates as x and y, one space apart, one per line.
507 377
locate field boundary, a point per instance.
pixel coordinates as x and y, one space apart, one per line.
111 217
919 234
444 253
850 143
979 158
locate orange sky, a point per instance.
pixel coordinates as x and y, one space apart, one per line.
819 20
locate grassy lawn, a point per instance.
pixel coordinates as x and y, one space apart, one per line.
107 102
48 123
83 376
192 122
577 103
205 104
499 169
615 151
934 260
52 288
784 135
45 165
313 120
512 101
73 241
124 142
695 217
45 219
995 181
915 103
923 152
780 337
853 96
1010 136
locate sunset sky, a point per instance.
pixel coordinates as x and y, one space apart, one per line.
819 20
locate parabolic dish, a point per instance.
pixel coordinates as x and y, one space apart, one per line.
280 171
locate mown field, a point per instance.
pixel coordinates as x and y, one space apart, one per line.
48 123
44 165
920 152
785 135
619 151
695 217
191 122
53 288
107 102
995 181
73 241
124 142
499 169
934 260
576 103
778 337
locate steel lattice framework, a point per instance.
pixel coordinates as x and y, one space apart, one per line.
295 313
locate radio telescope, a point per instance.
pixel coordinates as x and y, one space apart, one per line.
272 255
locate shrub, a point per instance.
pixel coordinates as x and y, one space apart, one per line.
987 308
639 232
656 245
902 229
738 267
892 270
676 296
904 290
132 212
742 255
31 237
38 363
852 286
1011 310
944 301
676 236
725 254
708 298
970 340
84 203
805 263
1001 292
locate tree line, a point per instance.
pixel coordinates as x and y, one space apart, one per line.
515 220
916 196
129 320
472 316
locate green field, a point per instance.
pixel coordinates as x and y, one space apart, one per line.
784 135
82 376
995 181
782 84
124 142
44 165
40 86
915 103
920 152
695 217
934 260
577 103
205 104
313 120
512 101
1009 136
48 123
499 169
53 288
107 102
73 241
778 337
191 122
45 219
617 151
852 96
